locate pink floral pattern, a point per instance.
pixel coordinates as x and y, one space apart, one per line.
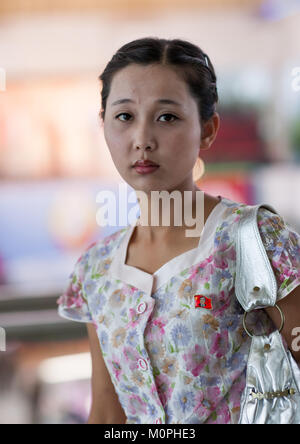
175 363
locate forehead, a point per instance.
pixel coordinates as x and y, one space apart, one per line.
148 82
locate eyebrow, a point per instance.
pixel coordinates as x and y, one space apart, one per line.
163 101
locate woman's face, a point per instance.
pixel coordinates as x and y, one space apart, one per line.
173 131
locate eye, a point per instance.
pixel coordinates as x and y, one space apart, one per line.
169 115
126 114
122 114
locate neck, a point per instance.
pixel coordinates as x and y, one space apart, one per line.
168 217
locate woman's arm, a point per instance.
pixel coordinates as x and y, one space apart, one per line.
106 408
290 306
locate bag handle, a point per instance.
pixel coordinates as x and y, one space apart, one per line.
255 282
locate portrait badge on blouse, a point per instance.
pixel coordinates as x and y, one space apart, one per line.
202 302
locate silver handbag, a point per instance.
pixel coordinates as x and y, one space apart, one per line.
271 394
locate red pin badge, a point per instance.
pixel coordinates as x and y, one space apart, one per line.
202 301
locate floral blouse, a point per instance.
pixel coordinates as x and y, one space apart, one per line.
173 341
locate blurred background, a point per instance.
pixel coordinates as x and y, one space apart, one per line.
54 160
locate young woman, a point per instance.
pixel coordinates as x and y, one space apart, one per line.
159 354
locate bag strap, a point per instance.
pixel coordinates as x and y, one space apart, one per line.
255 282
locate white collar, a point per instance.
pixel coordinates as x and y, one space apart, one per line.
149 283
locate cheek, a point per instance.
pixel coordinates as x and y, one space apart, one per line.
119 157
115 145
184 148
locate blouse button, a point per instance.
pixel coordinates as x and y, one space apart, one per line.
142 364
142 307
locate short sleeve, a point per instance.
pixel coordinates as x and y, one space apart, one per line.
282 244
73 303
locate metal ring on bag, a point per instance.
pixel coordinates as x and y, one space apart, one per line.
251 335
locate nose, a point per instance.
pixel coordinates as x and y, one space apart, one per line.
147 147
143 137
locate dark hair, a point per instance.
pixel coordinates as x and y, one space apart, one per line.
188 60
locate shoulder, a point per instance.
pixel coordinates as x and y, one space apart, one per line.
89 267
275 229
231 206
282 244
230 212
266 219
100 252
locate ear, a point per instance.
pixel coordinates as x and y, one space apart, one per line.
209 131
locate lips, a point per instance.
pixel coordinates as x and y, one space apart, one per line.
144 163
